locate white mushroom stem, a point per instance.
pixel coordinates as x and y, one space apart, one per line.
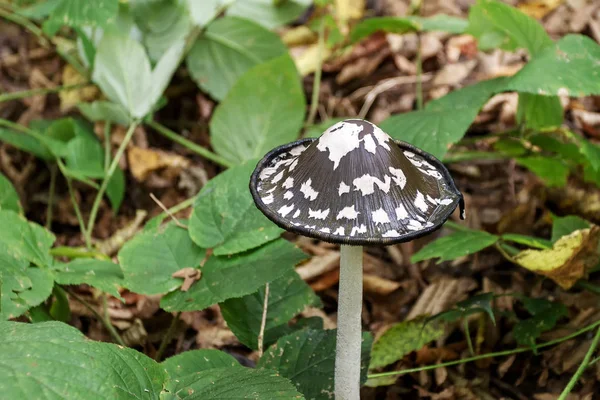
347 356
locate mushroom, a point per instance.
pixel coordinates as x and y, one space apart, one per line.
354 186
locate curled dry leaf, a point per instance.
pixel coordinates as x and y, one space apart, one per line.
142 162
189 275
569 260
538 9
307 61
71 98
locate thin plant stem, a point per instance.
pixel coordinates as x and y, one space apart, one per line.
109 173
209 155
263 322
168 337
348 343
489 355
23 129
582 367
33 92
106 146
76 252
105 321
166 211
78 214
504 253
51 192
468 336
314 102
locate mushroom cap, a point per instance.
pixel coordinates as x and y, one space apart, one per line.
355 185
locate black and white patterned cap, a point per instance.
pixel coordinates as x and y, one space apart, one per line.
354 185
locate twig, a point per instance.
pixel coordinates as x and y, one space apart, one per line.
168 337
166 211
51 192
106 322
314 101
166 132
263 322
584 364
33 92
88 242
111 170
488 355
383 87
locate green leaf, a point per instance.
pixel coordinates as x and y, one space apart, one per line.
307 358
444 121
115 191
442 22
530 241
9 198
235 276
150 258
60 309
591 152
495 24
77 13
25 240
264 109
551 142
563 226
203 12
288 296
545 315
225 218
455 245
104 275
85 155
539 112
55 361
402 339
26 143
369 26
568 68
551 170
267 12
232 383
228 48
193 361
21 286
105 111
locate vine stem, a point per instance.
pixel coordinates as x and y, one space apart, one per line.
169 134
168 337
51 192
263 322
584 364
314 101
88 243
109 173
488 355
105 321
33 92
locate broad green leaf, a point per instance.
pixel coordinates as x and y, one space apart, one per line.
58 133
511 147
115 191
473 305
21 286
545 315
568 68
85 155
226 50
288 296
26 143
552 142
203 12
455 245
383 24
563 226
105 111
52 360
495 24
527 240
539 112
591 152
307 358
264 109
25 240
193 361
225 218
235 276
77 13
38 10
104 275
402 339
9 198
60 310
444 121
232 383
442 22
163 72
551 170
150 258
269 13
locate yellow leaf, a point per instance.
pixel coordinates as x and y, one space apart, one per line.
299 35
539 8
142 162
348 10
569 260
308 61
71 98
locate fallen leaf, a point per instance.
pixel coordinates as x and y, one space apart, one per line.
71 98
348 10
538 9
299 35
569 260
142 162
308 61
189 275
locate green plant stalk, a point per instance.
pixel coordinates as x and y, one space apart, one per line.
582 367
106 146
111 170
88 243
314 101
75 252
51 192
33 92
166 132
105 321
488 355
348 343
17 127
168 337
263 321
